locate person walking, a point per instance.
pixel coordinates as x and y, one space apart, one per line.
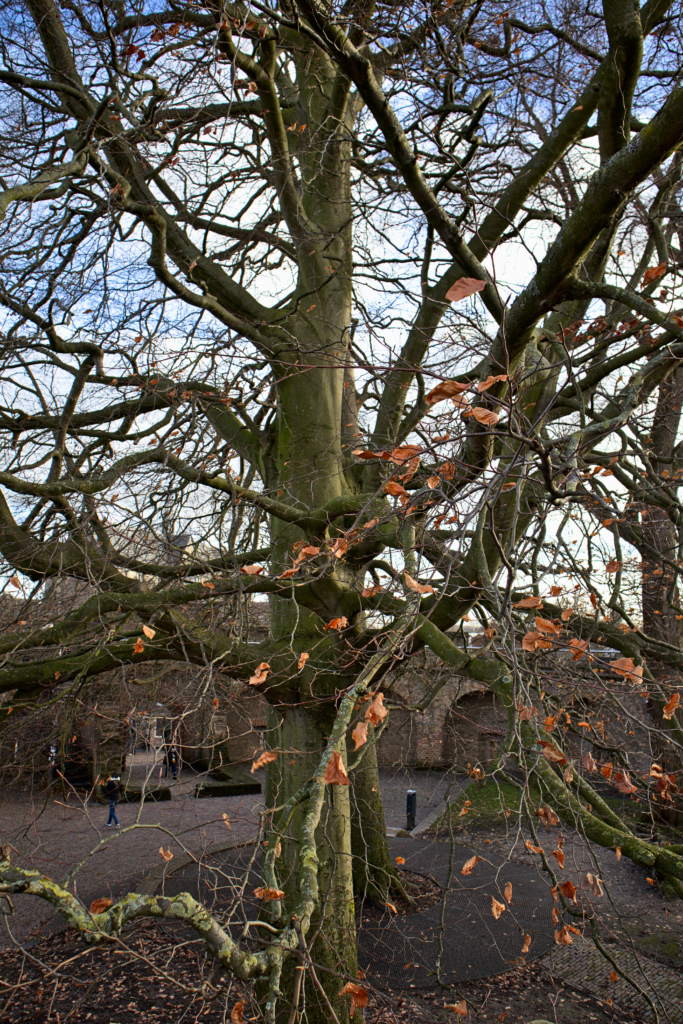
173 760
113 791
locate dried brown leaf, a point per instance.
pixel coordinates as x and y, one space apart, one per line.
469 865
447 389
496 907
484 385
529 602
419 588
264 893
260 675
360 734
375 711
464 287
335 774
359 996
265 758
99 906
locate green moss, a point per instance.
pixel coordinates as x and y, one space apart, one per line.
488 805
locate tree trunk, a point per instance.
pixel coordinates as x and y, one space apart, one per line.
374 875
660 544
300 737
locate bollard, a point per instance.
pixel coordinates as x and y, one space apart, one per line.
411 809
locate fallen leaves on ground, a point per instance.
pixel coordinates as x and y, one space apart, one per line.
166 854
99 906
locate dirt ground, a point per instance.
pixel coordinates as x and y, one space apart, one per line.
150 977
154 976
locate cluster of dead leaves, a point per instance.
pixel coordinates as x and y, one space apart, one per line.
454 390
563 935
359 996
375 713
339 623
303 551
266 894
665 784
631 672
260 675
265 758
139 643
670 706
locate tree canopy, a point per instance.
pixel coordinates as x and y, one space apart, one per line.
380 305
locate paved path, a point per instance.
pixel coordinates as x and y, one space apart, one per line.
54 837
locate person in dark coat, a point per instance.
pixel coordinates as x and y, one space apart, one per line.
172 761
113 791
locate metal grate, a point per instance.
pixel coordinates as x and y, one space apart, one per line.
402 952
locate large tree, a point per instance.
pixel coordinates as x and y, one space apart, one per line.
365 295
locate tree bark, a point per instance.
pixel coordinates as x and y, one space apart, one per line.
660 593
300 736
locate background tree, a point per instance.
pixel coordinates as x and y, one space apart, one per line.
315 282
